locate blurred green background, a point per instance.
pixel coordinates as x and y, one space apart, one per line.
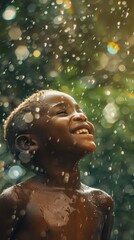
84 48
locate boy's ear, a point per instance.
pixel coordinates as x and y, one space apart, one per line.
26 142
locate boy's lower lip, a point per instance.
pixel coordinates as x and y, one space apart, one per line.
85 135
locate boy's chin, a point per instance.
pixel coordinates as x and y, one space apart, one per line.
86 147
91 148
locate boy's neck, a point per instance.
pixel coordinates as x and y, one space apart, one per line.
64 178
63 174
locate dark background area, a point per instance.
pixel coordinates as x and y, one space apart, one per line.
84 48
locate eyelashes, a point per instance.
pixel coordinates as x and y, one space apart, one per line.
65 112
61 112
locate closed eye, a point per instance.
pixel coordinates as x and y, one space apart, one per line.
61 112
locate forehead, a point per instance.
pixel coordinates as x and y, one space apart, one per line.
51 99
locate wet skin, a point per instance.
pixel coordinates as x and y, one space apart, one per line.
41 212
54 205
58 124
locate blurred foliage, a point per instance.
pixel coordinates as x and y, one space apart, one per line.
84 48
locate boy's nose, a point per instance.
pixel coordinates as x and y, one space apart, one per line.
79 117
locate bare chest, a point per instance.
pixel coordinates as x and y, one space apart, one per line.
62 215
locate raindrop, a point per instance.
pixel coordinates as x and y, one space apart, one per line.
110 168
37 116
11 68
85 173
66 177
37 169
58 20
23 212
13 217
28 117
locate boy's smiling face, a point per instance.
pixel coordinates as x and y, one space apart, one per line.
62 126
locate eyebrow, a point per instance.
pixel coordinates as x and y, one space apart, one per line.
63 104
60 104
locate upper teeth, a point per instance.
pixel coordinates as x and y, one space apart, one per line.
80 131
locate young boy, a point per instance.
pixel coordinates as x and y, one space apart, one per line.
49 133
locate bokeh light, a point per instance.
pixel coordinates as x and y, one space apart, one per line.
131 95
36 53
113 47
9 13
15 33
21 52
15 172
111 112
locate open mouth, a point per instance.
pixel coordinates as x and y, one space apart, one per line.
82 131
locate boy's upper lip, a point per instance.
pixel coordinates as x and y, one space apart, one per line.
82 126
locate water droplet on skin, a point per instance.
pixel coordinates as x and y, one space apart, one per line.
81 225
37 116
63 173
37 109
28 117
82 199
66 177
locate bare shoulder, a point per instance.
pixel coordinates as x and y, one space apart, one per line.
14 197
12 209
9 201
99 197
9 197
